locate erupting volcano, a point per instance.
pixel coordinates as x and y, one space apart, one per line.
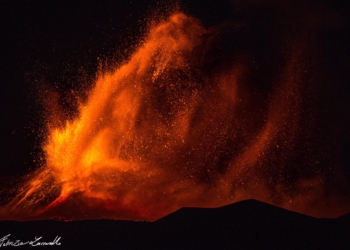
176 126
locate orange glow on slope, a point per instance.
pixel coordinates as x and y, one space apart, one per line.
155 135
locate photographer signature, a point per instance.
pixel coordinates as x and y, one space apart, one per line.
5 242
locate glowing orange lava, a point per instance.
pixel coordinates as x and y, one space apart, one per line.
157 134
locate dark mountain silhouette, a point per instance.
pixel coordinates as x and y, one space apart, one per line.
247 224
252 224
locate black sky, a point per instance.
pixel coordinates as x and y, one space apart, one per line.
60 45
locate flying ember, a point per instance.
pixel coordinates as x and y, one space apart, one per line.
167 129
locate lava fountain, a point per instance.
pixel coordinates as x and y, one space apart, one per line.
161 132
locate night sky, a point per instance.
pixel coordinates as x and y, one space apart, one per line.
58 46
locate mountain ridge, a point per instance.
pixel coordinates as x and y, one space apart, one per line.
248 224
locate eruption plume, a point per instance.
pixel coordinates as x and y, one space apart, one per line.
166 130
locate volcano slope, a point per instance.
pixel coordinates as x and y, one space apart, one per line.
248 224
